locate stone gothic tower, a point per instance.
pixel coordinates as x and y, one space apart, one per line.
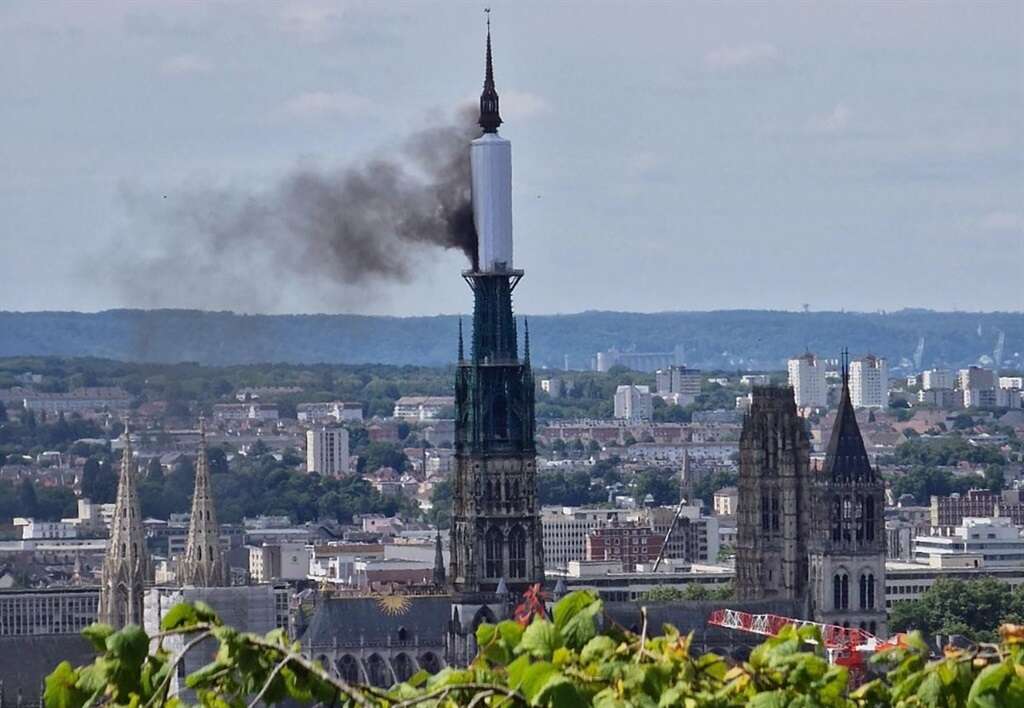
203 564
774 499
126 567
847 547
496 530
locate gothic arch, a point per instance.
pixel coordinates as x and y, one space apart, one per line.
378 673
494 543
517 552
482 615
348 669
430 662
402 666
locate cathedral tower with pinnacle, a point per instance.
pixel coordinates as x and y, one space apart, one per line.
203 564
847 547
496 545
126 566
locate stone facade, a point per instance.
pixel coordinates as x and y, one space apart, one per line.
127 568
773 509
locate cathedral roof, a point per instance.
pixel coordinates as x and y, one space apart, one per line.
846 459
375 619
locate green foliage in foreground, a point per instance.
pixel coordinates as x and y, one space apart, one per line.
973 608
562 662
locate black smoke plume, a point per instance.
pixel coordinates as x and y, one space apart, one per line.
346 226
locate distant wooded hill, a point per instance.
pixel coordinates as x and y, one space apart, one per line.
729 339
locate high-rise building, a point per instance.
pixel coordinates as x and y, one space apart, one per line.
978 387
126 568
327 451
773 508
936 378
807 378
203 564
633 402
679 382
847 537
869 382
496 539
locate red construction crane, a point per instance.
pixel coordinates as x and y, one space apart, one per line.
846 646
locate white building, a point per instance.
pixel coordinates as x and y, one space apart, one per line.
679 384
65 610
420 408
337 411
565 531
937 378
869 382
32 529
725 501
1011 382
280 561
327 451
633 403
755 379
807 377
976 543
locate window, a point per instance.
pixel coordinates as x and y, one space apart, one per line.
841 591
517 552
492 553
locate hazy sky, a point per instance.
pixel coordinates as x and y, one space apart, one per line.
686 156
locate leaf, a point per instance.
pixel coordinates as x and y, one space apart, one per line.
540 639
97 633
597 649
204 674
989 683
571 605
559 691
130 645
581 627
535 678
181 615
61 691
205 613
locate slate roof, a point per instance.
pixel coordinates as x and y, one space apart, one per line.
28 659
376 620
846 459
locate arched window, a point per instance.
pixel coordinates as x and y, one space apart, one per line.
775 511
209 552
859 518
873 627
863 591
517 553
841 591
403 634
837 520
765 518
869 518
871 591
348 669
402 666
377 671
493 543
847 517
199 552
430 663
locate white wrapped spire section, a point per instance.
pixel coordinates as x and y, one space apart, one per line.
491 165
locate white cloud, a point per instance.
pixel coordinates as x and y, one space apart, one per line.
741 56
183 64
1002 221
835 121
317 105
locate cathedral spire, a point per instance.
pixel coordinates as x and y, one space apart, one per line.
462 353
489 117
203 565
439 574
126 566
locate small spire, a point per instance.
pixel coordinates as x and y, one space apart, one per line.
844 363
462 354
489 116
526 341
439 573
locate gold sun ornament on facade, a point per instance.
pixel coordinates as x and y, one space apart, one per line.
393 604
